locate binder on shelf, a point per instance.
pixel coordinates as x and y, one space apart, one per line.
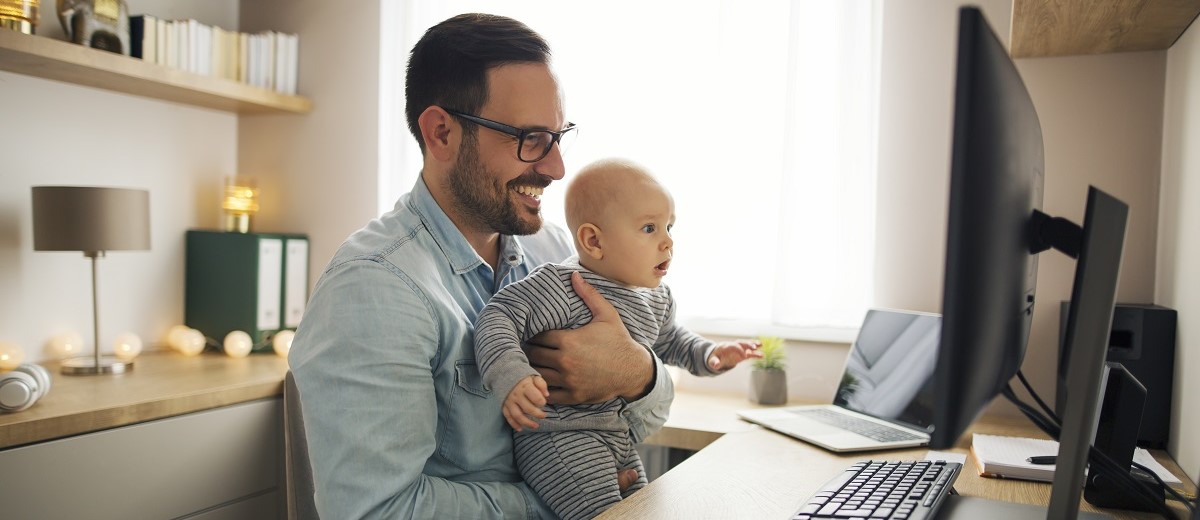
253 282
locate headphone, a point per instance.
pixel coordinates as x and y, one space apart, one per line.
22 387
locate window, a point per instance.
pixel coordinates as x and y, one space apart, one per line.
760 118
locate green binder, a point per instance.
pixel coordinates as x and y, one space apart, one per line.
252 282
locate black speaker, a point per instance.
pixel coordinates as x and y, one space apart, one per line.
1143 340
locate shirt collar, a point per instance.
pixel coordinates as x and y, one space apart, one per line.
450 240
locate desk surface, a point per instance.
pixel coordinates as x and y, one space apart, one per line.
161 384
751 472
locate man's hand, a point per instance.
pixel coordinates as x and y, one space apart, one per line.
524 402
596 362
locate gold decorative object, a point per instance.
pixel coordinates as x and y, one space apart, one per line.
19 15
240 202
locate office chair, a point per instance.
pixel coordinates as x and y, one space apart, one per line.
300 489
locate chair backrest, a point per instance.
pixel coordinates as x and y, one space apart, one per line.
300 491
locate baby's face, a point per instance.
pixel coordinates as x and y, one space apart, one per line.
637 238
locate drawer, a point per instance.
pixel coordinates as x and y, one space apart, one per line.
160 469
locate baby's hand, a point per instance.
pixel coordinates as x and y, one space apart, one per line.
728 354
524 401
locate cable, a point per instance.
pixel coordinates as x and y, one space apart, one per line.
1186 503
1042 422
1040 402
1123 479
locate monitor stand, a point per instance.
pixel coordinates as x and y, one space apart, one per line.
958 507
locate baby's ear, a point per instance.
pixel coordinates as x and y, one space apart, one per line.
588 237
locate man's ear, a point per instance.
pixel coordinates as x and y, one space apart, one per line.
438 132
588 236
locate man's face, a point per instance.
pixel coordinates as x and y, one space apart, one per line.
489 183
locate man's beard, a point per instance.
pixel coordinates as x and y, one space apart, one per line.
482 198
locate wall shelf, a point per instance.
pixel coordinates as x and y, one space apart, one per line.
1071 27
62 61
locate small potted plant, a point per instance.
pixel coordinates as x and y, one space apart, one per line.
768 380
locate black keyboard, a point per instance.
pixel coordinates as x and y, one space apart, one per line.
876 489
869 429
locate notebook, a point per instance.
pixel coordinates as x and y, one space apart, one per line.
1006 457
885 397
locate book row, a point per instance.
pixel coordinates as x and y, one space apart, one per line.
266 60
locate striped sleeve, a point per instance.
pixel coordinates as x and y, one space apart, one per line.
681 347
523 309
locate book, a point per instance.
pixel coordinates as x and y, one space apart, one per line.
1005 457
143 37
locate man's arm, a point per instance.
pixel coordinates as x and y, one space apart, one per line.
600 361
362 358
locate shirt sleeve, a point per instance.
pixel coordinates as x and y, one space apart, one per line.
683 348
646 415
520 311
362 359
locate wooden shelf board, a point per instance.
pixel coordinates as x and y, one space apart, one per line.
62 61
1070 27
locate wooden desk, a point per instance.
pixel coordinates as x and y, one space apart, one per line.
750 472
161 384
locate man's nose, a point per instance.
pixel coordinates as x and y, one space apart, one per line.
552 164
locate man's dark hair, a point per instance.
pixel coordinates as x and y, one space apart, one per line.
448 67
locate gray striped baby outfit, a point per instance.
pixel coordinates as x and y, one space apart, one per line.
571 460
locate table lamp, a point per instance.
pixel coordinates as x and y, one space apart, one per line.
92 220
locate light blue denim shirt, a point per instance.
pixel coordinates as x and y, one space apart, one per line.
399 422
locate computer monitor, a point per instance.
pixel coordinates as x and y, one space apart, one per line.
996 228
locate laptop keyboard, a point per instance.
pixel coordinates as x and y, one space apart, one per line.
908 490
869 429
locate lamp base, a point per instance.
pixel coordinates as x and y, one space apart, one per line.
84 366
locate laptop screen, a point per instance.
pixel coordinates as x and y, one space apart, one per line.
889 371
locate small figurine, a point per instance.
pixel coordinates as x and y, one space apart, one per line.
99 24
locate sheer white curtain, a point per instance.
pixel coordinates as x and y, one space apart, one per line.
759 117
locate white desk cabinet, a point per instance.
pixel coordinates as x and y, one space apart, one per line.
223 463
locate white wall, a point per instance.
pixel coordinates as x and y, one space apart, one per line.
318 172
57 133
1178 284
1102 125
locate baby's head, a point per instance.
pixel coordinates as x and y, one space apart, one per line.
621 220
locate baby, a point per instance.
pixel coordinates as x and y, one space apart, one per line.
621 219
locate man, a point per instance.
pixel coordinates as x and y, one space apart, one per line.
399 422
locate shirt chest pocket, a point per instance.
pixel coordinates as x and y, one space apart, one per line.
474 437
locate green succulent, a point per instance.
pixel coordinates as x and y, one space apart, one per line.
773 353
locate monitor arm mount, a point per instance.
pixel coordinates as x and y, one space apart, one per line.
1047 232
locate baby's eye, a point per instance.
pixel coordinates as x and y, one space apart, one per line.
669 228
648 228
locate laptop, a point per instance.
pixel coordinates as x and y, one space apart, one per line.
885 397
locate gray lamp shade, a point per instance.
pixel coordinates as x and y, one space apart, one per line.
90 218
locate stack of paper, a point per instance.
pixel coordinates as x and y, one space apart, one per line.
1005 457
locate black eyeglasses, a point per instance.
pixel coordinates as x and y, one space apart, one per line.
535 144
